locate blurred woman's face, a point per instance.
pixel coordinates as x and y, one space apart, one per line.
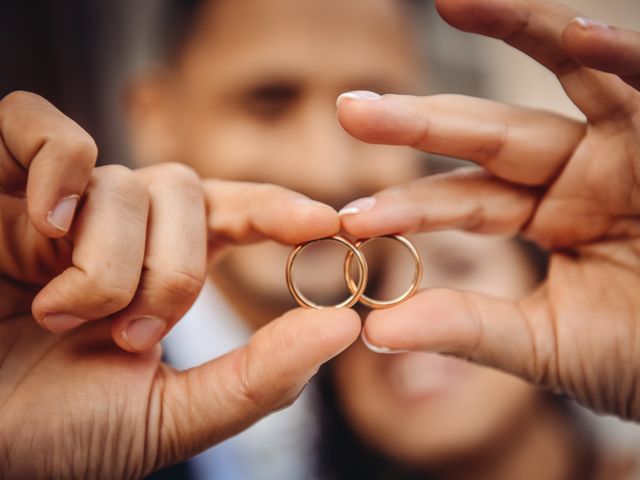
253 98
427 409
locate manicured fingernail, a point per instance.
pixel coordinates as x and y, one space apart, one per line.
144 332
62 215
61 322
358 206
357 95
378 349
588 23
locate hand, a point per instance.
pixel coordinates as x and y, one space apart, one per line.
571 186
100 248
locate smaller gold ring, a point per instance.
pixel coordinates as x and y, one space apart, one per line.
356 289
379 304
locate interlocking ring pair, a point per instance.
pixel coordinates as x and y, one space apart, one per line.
356 288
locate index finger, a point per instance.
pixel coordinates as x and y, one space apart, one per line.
244 212
48 151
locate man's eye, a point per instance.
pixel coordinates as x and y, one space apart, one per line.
272 101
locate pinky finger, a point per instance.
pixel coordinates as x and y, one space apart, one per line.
605 48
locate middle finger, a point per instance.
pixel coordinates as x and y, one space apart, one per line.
521 145
174 267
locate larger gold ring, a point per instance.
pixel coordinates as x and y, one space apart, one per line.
379 304
356 289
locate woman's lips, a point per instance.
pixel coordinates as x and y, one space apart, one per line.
420 376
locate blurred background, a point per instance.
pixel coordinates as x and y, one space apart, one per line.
82 54
78 53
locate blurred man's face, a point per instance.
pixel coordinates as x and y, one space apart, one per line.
428 410
253 98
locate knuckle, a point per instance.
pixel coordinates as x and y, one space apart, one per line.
493 149
172 173
17 98
181 173
249 393
108 296
122 179
254 366
181 285
117 172
82 149
270 189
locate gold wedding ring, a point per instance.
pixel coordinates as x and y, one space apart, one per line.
379 304
356 288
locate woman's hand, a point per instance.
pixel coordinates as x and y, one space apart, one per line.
107 254
573 187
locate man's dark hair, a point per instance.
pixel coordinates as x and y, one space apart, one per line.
176 18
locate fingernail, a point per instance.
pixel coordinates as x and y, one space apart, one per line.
378 349
357 95
144 332
61 322
588 23
358 206
62 215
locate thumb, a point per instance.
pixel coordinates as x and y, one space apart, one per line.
207 404
499 333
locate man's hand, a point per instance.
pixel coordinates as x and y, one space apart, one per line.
573 187
109 254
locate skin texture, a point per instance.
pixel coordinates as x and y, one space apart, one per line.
241 77
575 190
252 98
443 414
140 240
81 405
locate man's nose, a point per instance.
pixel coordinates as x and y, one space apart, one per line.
328 165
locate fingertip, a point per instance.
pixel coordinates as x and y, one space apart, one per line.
592 43
357 95
139 335
378 348
321 334
296 344
432 320
357 206
448 10
391 120
362 119
312 220
56 220
60 322
383 215
60 217
337 328
495 18
316 209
